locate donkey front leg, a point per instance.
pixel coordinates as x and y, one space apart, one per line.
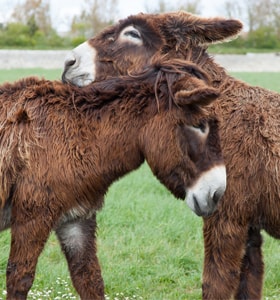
29 236
78 243
251 278
224 242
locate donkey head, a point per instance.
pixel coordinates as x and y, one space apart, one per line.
181 142
131 44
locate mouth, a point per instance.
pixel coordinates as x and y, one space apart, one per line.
204 195
64 78
197 209
79 80
202 213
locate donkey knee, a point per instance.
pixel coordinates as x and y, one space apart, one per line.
71 237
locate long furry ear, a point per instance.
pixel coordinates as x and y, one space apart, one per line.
186 29
194 90
199 96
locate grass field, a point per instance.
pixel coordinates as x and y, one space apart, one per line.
150 244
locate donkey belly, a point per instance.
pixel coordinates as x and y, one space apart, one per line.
273 229
271 222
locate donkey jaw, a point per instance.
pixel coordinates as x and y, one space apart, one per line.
80 65
205 194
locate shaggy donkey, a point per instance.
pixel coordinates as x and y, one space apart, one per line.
62 146
250 127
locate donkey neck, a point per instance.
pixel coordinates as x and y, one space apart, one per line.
115 130
217 74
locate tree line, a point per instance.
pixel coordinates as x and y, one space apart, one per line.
30 25
262 22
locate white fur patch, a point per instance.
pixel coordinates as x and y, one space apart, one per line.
72 237
210 185
83 71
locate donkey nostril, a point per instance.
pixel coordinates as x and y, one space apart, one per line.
70 63
67 65
217 196
197 207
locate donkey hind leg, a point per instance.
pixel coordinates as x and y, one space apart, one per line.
224 243
77 239
251 277
27 242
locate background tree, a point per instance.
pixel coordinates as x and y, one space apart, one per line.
34 13
233 9
192 6
94 17
262 21
275 12
30 26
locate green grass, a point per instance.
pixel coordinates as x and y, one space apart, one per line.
268 80
230 49
15 74
149 244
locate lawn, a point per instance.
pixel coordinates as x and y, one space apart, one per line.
150 244
14 74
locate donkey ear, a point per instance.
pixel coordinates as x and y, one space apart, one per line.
202 95
186 28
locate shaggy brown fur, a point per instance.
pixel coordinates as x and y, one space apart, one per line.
61 148
250 129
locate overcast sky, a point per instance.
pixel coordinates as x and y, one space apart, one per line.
63 10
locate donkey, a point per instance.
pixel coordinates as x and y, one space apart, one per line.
62 147
249 129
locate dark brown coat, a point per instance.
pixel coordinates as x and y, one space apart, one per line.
62 146
250 127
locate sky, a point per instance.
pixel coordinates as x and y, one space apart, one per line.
62 11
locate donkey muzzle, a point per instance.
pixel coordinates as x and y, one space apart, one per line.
204 196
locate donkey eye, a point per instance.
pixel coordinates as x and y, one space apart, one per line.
201 127
131 34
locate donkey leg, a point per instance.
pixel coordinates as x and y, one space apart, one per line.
77 239
251 277
27 242
224 242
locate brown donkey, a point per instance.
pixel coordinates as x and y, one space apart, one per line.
62 147
249 131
